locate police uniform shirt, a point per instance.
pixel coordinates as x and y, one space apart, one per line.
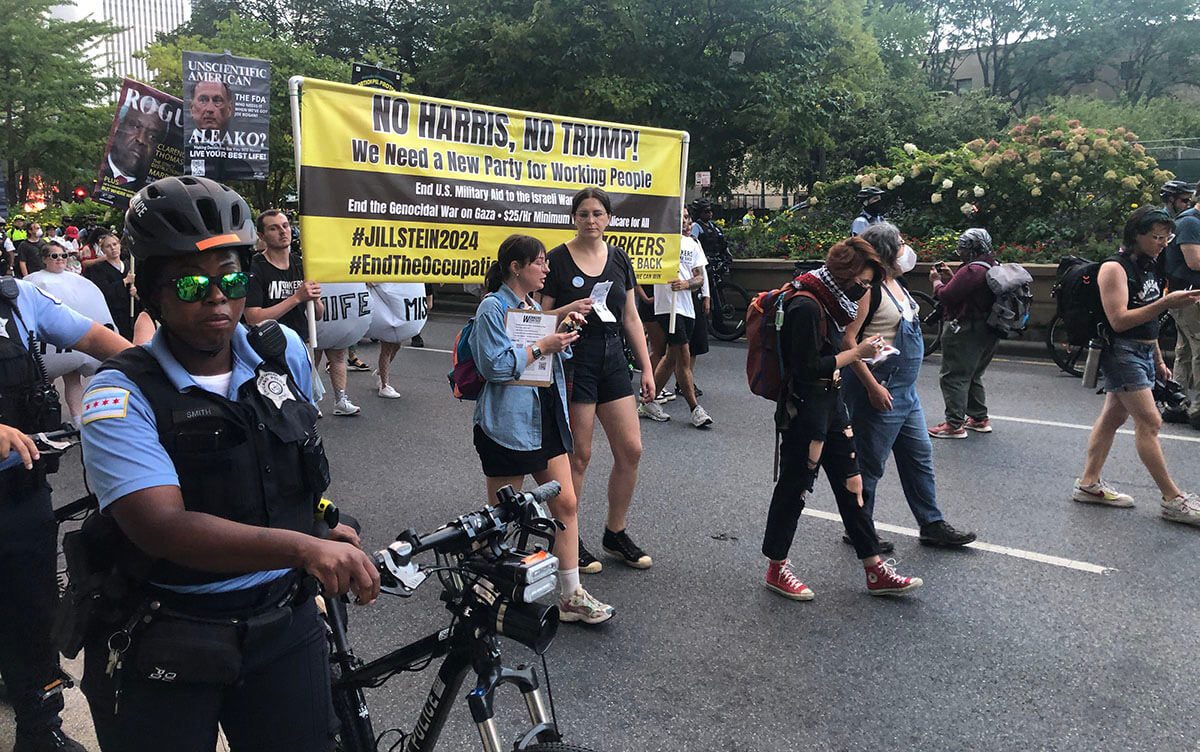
122 450
51 321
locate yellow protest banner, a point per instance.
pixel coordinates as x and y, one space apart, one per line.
405 188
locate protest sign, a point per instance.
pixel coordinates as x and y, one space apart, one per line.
347 315
82 296
375 77
226 120
144 144
400 187
398 311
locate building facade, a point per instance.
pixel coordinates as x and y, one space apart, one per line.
140 21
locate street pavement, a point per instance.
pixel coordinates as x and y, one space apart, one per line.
1074 631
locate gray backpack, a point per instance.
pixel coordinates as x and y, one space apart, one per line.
1010 284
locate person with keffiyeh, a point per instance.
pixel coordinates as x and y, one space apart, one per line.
812 421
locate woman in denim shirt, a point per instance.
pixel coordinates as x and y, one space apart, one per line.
525 430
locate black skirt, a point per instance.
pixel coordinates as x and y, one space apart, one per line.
501 462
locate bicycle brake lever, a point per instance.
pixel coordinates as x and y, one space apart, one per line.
397 579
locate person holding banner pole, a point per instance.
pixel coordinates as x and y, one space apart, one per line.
599 378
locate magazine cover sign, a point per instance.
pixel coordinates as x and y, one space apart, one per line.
397 187
145 143
226 115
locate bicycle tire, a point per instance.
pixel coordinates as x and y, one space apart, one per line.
729 311
931 331
556 747
1066 356
352 737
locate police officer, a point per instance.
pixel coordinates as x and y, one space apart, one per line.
872 211
1180 265
201 445
28 548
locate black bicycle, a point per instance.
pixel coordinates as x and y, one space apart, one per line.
727 317
1070 358
490 580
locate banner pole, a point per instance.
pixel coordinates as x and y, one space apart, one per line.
682 192
310 308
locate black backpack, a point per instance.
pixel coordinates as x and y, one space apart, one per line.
1077 290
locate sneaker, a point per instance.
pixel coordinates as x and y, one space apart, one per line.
1101 492
979 426
588 564
883 580
1183 508
319 413
885 546
354 364
942 533
947 431
417 342
622 546
344 406
581 606
387 392
700 418
653 411
698 391
665 396
780 579
47 740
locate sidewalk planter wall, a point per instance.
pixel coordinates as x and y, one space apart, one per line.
757 275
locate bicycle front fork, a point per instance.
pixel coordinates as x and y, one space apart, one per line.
482 698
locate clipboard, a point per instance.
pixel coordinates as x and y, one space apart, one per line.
526 326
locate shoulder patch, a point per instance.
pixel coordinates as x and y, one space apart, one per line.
105 402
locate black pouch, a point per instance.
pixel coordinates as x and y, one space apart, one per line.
183 651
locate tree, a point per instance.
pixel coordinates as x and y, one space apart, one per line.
251 38
51 102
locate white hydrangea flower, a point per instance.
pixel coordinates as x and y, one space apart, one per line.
935 198
978 192
910 148
967 209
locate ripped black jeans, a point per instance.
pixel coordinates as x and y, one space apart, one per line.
797 474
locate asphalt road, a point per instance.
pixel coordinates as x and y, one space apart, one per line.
1000 650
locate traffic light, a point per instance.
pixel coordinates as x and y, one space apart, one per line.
80 193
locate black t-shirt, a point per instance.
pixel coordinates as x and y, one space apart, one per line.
30 252
111 282
270 285
566 284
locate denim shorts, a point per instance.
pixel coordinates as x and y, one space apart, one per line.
1128 365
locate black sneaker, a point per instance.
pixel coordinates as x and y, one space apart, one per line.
588 564
417 342
941 533
885 546
623 547
47 740
699 392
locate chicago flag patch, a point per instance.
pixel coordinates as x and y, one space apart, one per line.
105 402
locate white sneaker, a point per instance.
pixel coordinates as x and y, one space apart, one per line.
1101 492
344 406
653 411
581 606
666 395
387 392
700 418
1183 508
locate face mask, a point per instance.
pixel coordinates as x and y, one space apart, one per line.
37 234
907 259
857 291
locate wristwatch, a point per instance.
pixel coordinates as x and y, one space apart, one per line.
536 352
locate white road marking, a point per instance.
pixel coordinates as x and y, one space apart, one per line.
1017 553
1059 424
430 349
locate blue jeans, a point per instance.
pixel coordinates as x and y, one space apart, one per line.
901 430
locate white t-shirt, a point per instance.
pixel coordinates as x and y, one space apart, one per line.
690 257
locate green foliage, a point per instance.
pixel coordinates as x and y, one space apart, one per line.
253 38
53 214
1152 119
51 113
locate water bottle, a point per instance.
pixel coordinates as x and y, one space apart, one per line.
1091 368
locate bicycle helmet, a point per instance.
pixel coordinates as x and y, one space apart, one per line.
1176 188
182 215
868 193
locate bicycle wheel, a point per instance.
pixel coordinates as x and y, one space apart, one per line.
355 734
930 313
729 311
1068 357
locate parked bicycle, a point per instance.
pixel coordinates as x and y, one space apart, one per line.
727 319
1070 358
491 580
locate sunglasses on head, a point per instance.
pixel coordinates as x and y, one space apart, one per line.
194 287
